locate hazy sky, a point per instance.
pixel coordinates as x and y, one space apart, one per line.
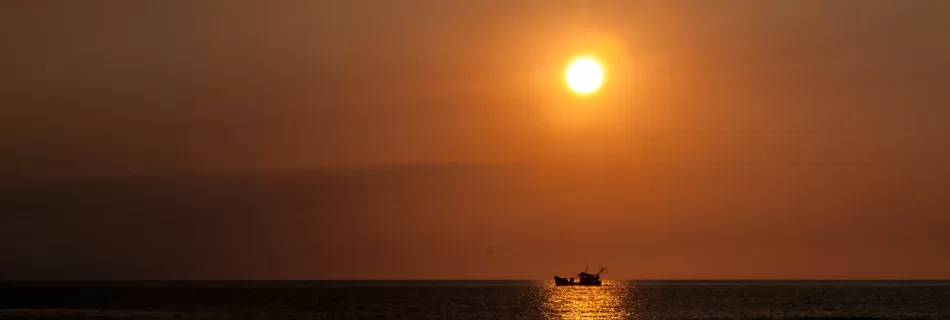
400 139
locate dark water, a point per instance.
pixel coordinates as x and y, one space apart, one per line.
478 300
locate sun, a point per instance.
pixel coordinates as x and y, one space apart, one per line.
584 75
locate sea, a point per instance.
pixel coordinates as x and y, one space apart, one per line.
477 300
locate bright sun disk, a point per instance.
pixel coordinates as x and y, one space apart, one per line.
584 75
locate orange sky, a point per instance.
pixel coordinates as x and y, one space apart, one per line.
325 139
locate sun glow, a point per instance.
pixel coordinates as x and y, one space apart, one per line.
584 75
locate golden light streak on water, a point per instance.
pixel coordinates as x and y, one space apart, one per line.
585 302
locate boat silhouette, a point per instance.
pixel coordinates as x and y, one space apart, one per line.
583 279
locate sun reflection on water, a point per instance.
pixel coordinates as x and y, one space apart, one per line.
585 302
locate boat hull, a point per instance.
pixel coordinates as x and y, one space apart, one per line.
558 281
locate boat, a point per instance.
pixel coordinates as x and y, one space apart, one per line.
583 279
